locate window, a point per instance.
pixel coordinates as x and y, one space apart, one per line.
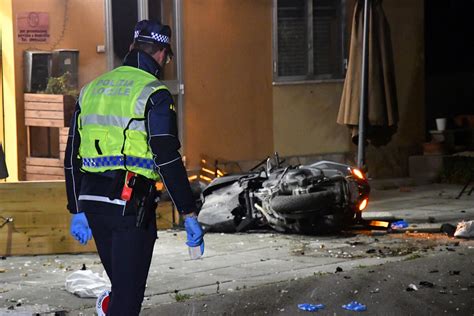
309 40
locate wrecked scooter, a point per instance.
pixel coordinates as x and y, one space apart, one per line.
310 199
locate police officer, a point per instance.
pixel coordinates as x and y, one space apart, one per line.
122 139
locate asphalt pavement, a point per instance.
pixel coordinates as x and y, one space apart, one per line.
442 283
266 273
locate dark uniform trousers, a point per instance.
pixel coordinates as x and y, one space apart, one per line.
125 252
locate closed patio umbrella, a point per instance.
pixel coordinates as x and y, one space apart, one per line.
369 81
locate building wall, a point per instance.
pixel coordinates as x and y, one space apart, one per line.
304 118
305 114
232 111
227 75
73 24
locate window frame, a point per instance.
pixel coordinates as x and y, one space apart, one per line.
309 77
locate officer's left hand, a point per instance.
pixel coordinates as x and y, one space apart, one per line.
195 234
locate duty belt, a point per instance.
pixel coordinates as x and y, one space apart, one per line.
113 161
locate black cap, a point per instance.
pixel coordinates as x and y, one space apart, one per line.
150 31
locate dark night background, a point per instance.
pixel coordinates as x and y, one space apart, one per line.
449 58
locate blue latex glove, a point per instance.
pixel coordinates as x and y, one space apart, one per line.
355 306
79 228
194 233
311 307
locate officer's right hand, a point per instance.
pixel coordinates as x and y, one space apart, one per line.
195 234
79 228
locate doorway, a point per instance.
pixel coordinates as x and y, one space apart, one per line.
121 17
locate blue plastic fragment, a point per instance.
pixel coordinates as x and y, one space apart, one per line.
355 306
399 224
311 307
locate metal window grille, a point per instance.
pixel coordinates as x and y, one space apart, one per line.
309 39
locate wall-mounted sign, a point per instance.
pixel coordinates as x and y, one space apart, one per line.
32 27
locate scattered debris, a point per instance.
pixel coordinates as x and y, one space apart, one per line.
448 229
355 243
377 290
465 229
399 225
311 307
85 283
355 306
411 287
426 284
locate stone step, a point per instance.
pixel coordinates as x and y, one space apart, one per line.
428 167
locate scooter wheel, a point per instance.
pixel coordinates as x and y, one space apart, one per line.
312 201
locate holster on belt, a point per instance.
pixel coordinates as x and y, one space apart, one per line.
143 199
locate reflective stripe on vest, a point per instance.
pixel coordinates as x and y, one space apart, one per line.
98 198
111 120
114 161
143 98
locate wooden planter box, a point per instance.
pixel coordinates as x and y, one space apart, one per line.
47 118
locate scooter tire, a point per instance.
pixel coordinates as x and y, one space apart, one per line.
321 200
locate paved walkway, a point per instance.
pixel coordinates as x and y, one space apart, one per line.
244 261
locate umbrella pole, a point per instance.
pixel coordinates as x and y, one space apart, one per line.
363 94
